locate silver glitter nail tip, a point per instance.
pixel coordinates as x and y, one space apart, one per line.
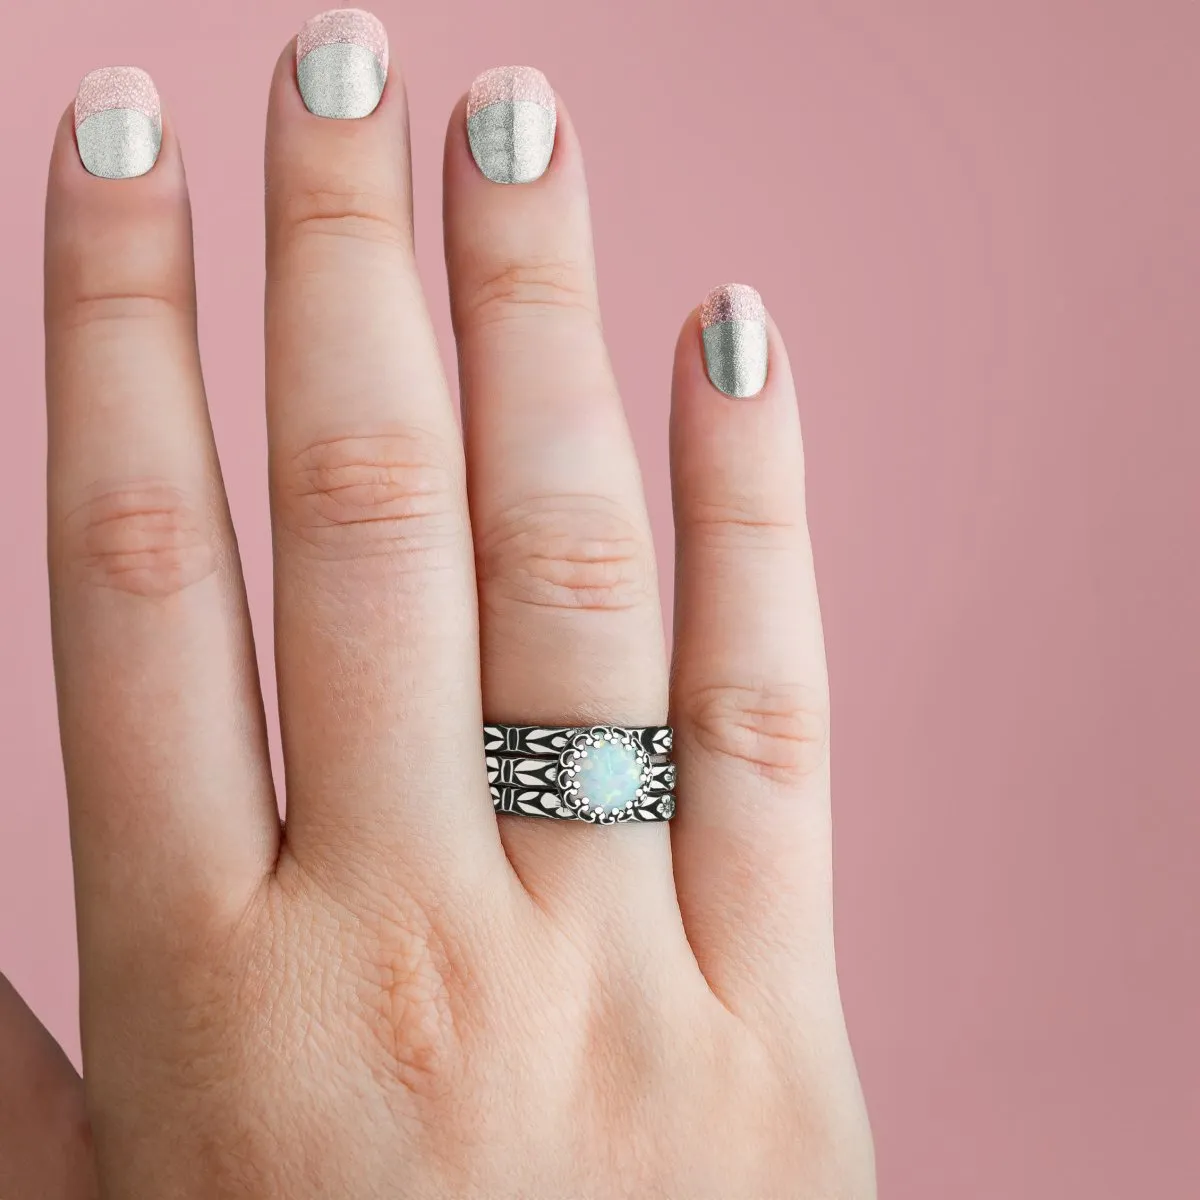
121 143
511 120
341 80
342 63
734 328
118 122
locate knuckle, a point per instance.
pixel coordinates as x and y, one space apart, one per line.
146 539
781 732
406 992
352 497
343 212
514 290
570 552
403 974
95 309
739 520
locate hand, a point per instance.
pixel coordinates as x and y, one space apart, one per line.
402 993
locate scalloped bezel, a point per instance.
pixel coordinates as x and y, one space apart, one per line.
568 782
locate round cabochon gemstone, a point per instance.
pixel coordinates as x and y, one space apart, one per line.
609 776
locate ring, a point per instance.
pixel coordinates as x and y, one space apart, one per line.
599 773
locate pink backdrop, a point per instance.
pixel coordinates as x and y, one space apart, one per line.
977 224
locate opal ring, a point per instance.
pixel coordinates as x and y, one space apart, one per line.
598 773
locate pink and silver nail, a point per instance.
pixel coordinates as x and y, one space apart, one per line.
511 118
342 63
733 324
118 122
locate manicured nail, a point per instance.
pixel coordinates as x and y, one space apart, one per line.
118 122
733 324
511 116
342 63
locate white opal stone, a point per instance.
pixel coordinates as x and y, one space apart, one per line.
609 776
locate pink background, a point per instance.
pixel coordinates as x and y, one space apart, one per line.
978 225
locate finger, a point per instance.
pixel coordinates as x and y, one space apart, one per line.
375 603
45 1146
571 628
749 689
172 813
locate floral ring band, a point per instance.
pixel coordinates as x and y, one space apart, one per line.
598 773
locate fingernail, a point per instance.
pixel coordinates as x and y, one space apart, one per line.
733 324
118 122
342 63
511 116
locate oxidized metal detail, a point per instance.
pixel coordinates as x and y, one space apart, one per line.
603 774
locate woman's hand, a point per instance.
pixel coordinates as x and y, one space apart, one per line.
401 993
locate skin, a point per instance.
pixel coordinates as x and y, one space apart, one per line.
397 993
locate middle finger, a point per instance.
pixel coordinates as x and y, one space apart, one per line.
375 604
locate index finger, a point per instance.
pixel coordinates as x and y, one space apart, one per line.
172 813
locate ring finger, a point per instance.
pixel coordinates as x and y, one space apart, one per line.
563 548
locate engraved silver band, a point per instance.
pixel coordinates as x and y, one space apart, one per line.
603 774
543 741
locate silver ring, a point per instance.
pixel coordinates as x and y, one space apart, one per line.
599 773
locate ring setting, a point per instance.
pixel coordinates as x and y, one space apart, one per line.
603 771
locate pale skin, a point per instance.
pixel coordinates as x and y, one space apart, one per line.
399 993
